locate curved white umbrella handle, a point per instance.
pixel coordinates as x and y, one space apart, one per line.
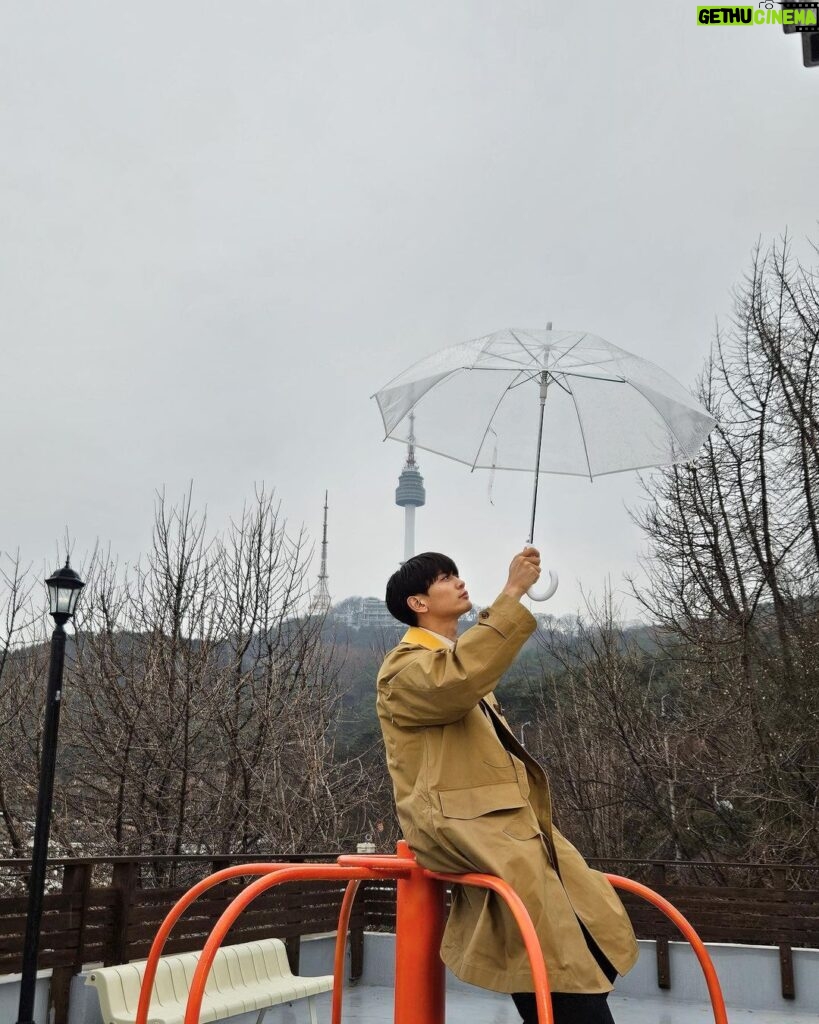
543 595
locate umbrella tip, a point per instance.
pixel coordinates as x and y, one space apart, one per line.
549 325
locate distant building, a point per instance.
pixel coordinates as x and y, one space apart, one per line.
374 613
360 612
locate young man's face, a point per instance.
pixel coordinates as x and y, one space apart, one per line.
446 598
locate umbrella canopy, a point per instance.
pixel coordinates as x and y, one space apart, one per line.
606 411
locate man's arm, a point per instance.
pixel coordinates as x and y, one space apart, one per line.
420 688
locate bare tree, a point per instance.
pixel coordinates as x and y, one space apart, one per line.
21 656
203 698
734 565
637 761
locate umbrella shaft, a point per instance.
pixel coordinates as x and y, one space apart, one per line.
537 457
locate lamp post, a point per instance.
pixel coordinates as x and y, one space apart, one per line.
63 591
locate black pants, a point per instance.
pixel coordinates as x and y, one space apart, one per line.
568 1007
573 1007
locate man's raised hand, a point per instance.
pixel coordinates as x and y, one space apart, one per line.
524 572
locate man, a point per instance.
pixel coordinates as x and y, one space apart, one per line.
470 798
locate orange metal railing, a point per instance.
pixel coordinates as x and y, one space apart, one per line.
527 929
419 925
176 911
671 912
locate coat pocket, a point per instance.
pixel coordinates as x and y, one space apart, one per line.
479 800
523 830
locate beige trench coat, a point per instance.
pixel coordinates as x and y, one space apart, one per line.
470 798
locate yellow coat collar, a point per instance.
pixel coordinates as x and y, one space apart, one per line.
423 638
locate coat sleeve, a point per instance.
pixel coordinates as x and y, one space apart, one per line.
418 687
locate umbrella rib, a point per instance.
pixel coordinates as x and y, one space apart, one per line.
544 472
593 362
424 359
525 349
429 390
593 376
387 386
495 355
570 350
563 354
488 341
398 376
582 431
533 375
494 369
672 431
563 386
489 422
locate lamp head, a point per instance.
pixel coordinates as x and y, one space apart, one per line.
64 588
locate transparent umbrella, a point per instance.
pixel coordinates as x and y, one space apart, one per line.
544 401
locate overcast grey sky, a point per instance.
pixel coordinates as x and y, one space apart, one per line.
223 226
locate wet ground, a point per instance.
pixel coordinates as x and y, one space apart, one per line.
370 1004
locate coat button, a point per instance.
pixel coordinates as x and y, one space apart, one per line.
485 613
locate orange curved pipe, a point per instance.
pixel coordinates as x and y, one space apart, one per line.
176 911
543 998
341 941
378 863
360 867
671 912
314 872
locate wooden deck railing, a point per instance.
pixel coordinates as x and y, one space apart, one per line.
107 910
759 906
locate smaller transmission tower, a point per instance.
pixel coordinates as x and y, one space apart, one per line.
321 600
410 493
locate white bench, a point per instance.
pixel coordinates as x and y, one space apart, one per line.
244 978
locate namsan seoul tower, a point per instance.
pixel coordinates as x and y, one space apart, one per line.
321 600
410 493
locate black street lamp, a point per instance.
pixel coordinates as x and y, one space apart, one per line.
63 593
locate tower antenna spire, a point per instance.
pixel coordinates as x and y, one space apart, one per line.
321 600
411 443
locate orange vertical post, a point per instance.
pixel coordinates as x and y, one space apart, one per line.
419 925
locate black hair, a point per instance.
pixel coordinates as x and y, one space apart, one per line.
415 576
